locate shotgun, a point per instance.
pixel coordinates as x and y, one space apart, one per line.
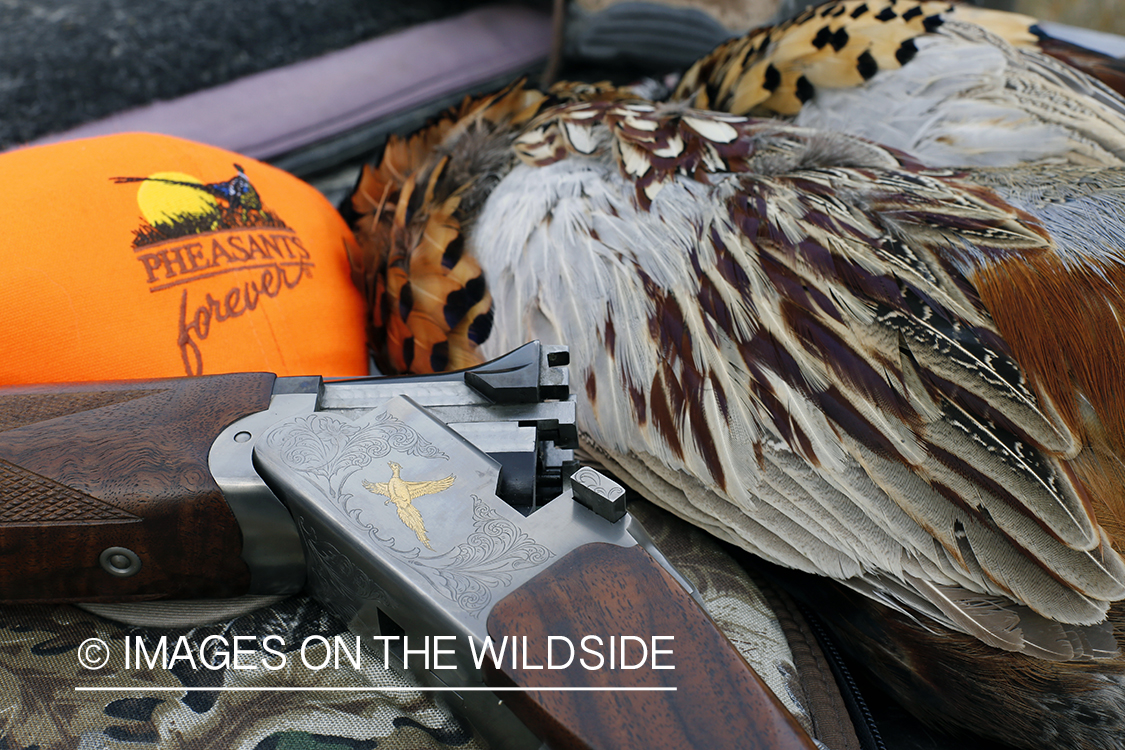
443 518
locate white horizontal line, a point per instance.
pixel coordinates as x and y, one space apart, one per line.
288 689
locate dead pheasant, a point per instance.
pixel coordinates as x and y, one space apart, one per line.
950 84
813 346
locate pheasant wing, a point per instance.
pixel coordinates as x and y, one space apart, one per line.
377 488
418 489
774 327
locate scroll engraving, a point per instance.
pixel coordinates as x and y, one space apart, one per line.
598 483
330 569
328 450
485 560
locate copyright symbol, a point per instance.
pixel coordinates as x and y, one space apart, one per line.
93 653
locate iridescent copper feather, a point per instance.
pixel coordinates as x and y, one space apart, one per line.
797 340
429 306
1061 309
949 83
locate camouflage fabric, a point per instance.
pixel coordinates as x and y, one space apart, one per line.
42 649
40 669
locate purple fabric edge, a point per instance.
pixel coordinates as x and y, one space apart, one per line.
279 110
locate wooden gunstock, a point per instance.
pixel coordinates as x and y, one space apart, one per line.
606 590
89 467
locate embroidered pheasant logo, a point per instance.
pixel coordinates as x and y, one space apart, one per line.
403 493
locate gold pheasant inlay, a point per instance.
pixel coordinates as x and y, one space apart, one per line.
403 493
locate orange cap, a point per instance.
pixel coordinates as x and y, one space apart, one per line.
139 256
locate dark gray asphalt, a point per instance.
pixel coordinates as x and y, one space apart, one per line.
64 62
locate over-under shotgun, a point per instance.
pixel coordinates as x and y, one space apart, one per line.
433 506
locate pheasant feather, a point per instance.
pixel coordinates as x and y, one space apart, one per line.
780 325
948 83
813 346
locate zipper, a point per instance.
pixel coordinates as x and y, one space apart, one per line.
867 732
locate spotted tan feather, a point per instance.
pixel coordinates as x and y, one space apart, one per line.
949 83
775 70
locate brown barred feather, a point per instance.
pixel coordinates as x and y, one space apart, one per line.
1008 698
1053 317
926 306
1061 313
